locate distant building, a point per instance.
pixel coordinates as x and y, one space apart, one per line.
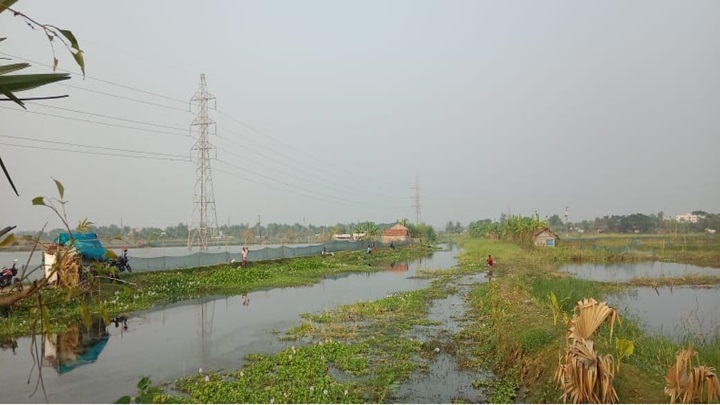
692 218
397 233
545 237
341 236
359 235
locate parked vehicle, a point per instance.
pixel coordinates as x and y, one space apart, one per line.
8 276
122 262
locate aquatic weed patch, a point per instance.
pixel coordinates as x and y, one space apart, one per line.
295 375
361 341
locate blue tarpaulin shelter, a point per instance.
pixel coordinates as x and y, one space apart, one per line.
87 244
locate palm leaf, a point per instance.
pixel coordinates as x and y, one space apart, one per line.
590 314
15 83
13 67
687 385
5 4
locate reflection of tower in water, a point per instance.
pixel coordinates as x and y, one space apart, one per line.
207 315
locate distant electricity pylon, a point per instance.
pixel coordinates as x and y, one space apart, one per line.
416 196
204 197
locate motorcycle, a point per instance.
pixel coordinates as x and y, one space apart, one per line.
121 263
7 275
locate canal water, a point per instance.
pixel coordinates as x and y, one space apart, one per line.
622 272
680 313
101 364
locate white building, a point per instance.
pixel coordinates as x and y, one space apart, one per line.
688 218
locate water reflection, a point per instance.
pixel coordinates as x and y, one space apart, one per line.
679 313
627 271
10 344
75 347
397 267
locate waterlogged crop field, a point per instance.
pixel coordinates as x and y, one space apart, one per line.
519 321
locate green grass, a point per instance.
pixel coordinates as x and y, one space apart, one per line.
535 338
512 327
568 290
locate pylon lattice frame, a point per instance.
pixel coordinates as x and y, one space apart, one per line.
202 231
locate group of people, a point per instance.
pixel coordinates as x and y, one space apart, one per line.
371 248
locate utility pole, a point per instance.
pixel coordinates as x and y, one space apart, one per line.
202 231
416 196
258 229
567 224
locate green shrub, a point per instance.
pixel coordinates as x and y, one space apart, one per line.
533 339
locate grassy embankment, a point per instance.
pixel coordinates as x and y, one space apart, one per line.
512 330
149 289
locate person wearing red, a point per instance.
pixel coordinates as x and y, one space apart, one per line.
490 261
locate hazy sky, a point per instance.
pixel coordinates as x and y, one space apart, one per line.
328 110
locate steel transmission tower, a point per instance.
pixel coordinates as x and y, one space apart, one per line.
416 196
203 230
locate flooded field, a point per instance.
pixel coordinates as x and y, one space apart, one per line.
99 365
627 271
675 312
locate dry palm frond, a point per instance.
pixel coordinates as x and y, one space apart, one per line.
685 384
68 268
586 377
589 315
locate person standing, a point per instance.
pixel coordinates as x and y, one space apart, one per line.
244 256
490 261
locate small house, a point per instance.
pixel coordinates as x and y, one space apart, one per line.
397 233
545 237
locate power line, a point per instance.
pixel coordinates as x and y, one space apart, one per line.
98 79
124 98
294 169
96 147
281 182
270 186
91 153
352 174
96 122
109 117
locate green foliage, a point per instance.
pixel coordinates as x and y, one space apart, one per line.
422 232
515 228
533 339
369 229
623 348
572 289
295 375
147 393
556 307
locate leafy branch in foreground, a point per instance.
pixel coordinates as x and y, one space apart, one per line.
11 84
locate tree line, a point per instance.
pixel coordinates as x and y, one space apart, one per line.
246 233
632 223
